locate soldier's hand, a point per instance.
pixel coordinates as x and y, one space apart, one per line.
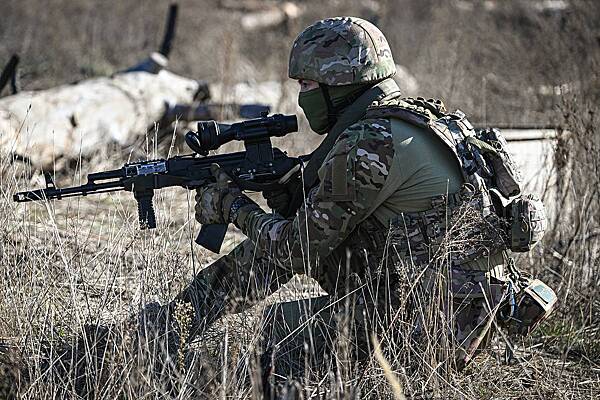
277 200
213 202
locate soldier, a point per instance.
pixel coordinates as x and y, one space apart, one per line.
367 218
397 215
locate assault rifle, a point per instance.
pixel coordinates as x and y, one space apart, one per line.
259 168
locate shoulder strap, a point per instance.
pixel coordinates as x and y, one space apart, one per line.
384 89
417 111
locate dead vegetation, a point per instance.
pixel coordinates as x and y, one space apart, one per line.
71 269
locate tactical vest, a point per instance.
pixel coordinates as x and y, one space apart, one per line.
480 220
483 156
509 219
486 217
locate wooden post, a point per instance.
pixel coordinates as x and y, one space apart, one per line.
9 74
165 47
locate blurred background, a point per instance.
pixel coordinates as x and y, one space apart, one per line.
499 61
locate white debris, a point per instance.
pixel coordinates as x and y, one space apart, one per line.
281 97
69 119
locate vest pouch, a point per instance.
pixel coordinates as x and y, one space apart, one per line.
475 301
507 177
532 305
527 222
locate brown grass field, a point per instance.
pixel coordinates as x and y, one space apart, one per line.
70 267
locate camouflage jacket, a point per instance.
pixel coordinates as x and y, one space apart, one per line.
378 168
351 178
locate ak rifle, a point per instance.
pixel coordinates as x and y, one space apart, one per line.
259 168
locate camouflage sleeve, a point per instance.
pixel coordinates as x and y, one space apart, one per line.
351 178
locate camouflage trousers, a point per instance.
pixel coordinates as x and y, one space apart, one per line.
302 332
453 310
420 308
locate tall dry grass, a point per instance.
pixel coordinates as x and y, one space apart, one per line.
76 273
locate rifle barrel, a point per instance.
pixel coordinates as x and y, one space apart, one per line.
56 193
112 174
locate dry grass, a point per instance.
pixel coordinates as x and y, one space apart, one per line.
73 267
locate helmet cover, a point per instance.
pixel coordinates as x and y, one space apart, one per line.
341 51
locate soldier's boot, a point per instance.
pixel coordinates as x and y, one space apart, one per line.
76 367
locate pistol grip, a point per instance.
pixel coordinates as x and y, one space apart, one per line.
211 236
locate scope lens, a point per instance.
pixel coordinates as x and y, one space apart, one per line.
208 132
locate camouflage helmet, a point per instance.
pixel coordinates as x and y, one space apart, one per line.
341 51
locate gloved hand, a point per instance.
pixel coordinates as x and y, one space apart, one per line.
278 199
213 202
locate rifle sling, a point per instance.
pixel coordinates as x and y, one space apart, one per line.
356 111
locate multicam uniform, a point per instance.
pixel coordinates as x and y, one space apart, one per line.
378 170
383 182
